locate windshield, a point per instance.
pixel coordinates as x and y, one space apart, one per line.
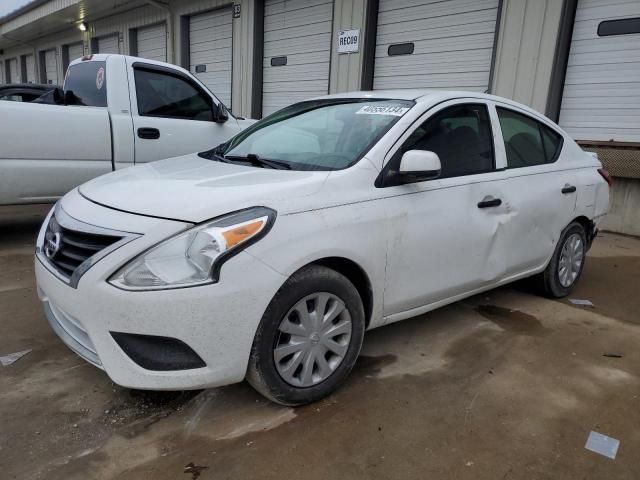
317 135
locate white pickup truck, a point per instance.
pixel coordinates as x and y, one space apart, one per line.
115 111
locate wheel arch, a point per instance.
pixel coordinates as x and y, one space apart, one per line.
589 227
356 275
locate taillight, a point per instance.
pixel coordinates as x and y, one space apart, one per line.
607 177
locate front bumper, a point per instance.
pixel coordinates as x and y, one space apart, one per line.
217 321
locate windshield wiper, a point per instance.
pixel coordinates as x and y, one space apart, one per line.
259 162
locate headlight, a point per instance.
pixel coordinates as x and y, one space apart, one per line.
194 257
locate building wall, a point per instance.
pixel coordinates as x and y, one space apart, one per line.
526 50
346 68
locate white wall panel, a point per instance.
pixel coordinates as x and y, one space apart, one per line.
299 30
51 67
108 44
152 42
30 68
211 45
601 96
452 39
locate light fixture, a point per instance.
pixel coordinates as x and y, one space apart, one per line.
82 26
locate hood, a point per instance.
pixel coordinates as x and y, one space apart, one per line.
193 189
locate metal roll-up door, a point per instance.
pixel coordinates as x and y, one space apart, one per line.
210 51
297 51
601 96
13 76
51 67
109 44
435 44
30 68
75 51
152 42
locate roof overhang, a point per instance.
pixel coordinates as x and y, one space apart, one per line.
40 18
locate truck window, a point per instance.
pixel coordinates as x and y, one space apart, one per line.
86 84
165 95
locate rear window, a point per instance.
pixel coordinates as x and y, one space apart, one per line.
86 84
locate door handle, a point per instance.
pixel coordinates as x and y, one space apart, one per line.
568 189
490 202
149 133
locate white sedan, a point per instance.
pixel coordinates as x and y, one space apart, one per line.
269 256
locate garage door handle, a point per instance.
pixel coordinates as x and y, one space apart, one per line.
493 202
149 133
568 189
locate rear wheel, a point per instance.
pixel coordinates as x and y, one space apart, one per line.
308 339
567 262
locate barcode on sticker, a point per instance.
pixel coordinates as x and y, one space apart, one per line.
382 110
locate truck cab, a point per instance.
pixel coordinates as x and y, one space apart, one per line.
115 111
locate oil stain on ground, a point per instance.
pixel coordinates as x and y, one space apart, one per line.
511 320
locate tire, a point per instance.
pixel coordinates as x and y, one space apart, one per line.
554 281
285 379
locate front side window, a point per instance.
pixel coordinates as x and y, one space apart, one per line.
86 84
527 141
460 135
318 134
164 95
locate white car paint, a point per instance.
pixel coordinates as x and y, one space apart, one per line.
50 149
421 245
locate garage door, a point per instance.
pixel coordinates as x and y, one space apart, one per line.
108 44
75 51
297 51
51 67
210 48
435 44
601 97
12 73
152 42
30 67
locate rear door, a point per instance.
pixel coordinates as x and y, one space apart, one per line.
446 236
172 114
540 193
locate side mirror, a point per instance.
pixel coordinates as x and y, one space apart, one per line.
419 165
220 114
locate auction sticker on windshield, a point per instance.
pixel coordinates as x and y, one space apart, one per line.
382 110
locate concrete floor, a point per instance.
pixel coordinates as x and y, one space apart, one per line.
503 385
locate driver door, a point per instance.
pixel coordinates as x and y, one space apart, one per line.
445 235
172 115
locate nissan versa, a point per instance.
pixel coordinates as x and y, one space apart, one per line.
268 257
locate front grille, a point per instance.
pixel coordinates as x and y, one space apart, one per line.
67 249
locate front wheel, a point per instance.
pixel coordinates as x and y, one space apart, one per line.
567 262
308 339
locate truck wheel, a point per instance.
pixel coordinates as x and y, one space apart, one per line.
308 339
567 262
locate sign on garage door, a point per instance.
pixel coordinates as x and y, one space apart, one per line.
75 51
50 67
427 44
601 97
210 49
30 68
297 51
109 44
152 42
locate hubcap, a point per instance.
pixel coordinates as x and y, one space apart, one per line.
313 338
571 257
